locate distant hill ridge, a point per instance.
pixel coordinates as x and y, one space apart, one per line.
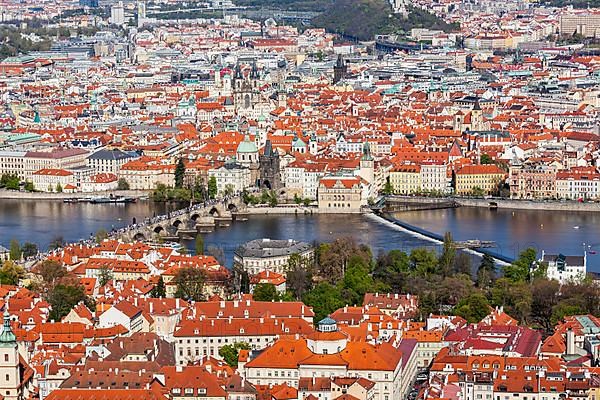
363 19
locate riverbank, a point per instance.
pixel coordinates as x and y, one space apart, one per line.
510 203
531 205
13 194
282 209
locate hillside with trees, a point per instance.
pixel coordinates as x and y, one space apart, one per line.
574 3
363 19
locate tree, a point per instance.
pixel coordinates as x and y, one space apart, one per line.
519 270
230 352
265 197
59 188
388 188
10 181
159 291
333 257
190 283
101 235
448 255
306 202
29 249
515 297
477 192
122 184
29 186
63 298
392 268
15 250
229 189
463 264
53 273
199 245
485 159
423 262
273 199
486 272
298 281
473 308
179 173
324 299
212 187
265 292
104 276
544 299
11 273
297 199
357 281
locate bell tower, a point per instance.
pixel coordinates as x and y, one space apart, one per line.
10 377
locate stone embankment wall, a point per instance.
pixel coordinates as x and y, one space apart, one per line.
15 194
533 205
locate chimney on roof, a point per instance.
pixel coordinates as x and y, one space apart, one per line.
570 341
177 303
151 307
235 304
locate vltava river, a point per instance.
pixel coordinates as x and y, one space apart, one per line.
41 221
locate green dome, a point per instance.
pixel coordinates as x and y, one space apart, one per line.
247 146
7 337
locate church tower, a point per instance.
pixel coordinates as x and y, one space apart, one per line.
246 92
10 377
339 70
312 144
476 117
367 165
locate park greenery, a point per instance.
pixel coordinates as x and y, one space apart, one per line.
447 282
230 352
190 283
37 36
268 197
122 184
60 288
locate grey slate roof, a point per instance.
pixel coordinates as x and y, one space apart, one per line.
265 248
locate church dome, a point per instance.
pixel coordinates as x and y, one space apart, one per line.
247 146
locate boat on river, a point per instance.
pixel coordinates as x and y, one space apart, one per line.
112 200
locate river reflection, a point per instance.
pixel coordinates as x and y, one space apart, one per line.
41 221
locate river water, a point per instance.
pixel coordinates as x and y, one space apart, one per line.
42 221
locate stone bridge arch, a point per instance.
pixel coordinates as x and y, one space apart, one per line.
179 223
139 237
159 230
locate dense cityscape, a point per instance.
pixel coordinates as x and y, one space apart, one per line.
267 200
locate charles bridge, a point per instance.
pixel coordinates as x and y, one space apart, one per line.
188 222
